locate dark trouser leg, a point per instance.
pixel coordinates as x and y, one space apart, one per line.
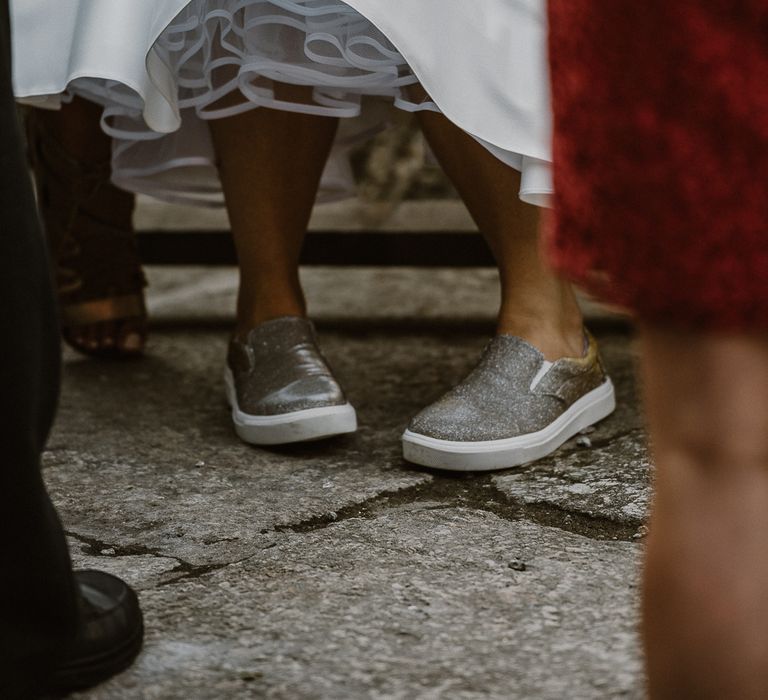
37 595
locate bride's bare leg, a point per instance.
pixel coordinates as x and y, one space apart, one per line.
476 426
536 304
270 164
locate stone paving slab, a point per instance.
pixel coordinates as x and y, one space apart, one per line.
610 482
144 456
417 602
350 295
405 296
336 570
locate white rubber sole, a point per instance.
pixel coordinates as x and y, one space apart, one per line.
510 452
285 428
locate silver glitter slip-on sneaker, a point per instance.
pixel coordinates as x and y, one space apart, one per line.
513 408
281 389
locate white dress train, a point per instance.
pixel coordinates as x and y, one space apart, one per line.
160 67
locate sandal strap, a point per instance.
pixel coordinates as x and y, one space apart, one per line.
89 228
69 188
98 262
101 310
44 146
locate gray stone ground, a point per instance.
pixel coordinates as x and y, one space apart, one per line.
336 570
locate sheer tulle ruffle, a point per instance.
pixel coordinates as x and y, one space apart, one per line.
216 59
233 52
245 46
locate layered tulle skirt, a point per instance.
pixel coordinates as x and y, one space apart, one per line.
162 69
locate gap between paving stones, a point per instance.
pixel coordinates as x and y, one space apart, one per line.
442 491
478 492
96 548
570 447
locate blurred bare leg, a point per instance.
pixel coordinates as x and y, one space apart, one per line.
706 574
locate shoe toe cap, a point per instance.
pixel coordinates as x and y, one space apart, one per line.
110 632
300 395
454 420
459 419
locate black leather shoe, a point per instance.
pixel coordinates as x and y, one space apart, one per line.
110 636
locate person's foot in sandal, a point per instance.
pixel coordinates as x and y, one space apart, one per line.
100 283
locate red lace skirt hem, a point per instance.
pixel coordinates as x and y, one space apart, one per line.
661 157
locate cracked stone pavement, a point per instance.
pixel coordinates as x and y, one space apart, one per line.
336 570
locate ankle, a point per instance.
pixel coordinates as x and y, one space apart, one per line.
255 306
246 323
555 339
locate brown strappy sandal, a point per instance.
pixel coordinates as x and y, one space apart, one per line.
99 280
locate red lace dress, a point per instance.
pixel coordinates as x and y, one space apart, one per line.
661 156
